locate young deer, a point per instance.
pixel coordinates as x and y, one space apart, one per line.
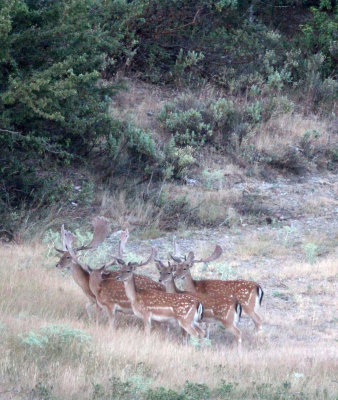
249 294
160 306
81 272
220 308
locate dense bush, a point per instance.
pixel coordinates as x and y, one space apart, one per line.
54 104
54 111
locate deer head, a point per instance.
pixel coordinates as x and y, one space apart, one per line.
182 268
166 272
127 269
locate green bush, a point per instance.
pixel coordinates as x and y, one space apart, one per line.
56 341
320 34
196 122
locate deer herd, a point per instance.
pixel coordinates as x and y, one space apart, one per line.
202 301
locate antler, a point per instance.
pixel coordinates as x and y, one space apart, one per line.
176 255
176 248
190 259
101 230
216 254
63 240
123 241
152 255
68 239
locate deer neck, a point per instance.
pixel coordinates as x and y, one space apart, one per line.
129 286
78 271
189 283
170 286
81 277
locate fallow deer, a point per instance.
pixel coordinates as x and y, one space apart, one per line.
248 293
220 308
100 285
81 272
110 293
156 305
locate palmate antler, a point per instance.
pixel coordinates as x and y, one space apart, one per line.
190 259
122 244
68 239
123 265
101 230
138 264
216 254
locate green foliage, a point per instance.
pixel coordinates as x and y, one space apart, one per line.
187 127
55 106
311 252
177 160
43 391
213 179
55 341
320 35
195 122
54 111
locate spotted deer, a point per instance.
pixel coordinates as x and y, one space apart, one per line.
154 305
100 284
81 272
249 294
220 308
110 293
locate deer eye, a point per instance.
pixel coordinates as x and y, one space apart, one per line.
68 257
168 273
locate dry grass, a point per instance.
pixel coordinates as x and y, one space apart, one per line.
125 212
140 103
33 295
326 268
260 244
204 207
287 129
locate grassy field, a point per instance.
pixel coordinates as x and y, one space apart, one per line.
50 350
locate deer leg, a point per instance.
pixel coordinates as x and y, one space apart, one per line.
88 306
184 335
147 325
235 331
98 313
207 330
189 328
257 319
250 309
201 333
111 315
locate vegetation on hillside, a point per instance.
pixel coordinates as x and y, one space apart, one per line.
60 68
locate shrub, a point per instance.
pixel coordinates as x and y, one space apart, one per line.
188 128
56 341
195 122
320 34
311 252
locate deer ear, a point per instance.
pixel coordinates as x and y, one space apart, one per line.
105 274
59 250
119 261
158 266
190 258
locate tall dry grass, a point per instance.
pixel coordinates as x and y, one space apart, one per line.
35 295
